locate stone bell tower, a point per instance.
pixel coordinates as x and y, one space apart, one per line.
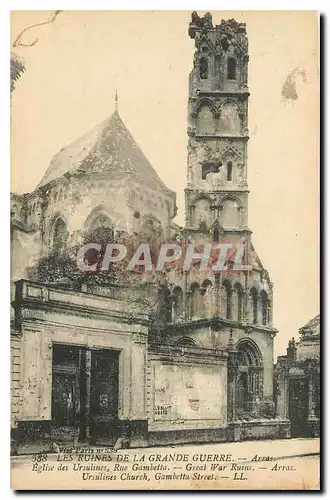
217 191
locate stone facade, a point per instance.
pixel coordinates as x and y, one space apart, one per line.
176 356
297 377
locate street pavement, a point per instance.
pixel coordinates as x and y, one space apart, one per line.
279 448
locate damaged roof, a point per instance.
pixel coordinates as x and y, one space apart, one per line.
110 148
312 327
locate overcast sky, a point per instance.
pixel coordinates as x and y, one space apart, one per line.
81 59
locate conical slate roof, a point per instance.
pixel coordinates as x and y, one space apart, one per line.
108 147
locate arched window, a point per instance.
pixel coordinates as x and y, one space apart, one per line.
177 302
207 297
229 171
185 342
151 230
254 305
249 390
216 234
194 301
227 298
205 124
203 68
202 213
164 304
238 298
98 228
101 221
231 69
60 235
264 308
229 122
230 216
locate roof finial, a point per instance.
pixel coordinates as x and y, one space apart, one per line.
116 101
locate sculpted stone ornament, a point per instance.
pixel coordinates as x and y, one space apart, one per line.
240 177
192 162
207 20
202 221
195 19
225 42
200 23
189 177
202 152
218 48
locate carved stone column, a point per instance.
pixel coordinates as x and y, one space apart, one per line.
232 375
311 409
217 301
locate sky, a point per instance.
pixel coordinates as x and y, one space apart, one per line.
79 61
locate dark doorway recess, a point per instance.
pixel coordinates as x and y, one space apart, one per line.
298 407
85 395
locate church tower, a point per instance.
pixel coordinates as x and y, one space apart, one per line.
228 309
217 190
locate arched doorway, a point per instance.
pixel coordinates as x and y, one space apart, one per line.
249 381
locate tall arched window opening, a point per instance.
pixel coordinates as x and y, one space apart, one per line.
254 305
238 289
207 298
164 304
60 236
203 68
228 299
264 308
229 171
177 302
194 301
231 69
216 234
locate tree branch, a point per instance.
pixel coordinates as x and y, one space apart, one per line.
18 43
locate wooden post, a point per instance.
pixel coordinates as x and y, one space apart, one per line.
85 389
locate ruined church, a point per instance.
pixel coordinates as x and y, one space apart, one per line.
163 358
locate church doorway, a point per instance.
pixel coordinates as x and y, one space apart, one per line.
85 395
298 406
249 389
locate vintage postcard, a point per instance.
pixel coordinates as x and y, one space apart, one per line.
165 328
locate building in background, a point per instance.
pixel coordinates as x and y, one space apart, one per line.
158 358
297 378
17 67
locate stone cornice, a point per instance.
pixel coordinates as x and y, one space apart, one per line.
34 300
220 93
219 323
243 138
184 353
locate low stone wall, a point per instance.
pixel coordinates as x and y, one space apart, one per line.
236 431
186 436
260 429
